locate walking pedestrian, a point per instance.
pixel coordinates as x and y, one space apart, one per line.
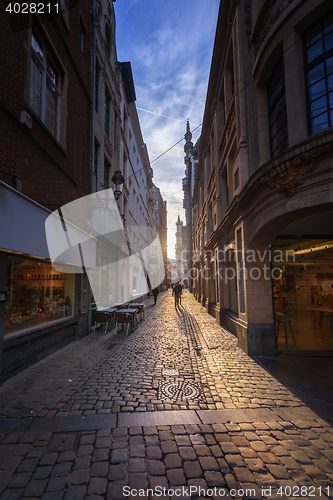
177 293
155 292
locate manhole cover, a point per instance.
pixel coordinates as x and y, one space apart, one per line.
171 372
181 390
64 441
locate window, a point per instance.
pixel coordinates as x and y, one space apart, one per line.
107 114
106 173
44 98
232 78
96 151
63 9
107 40
97 72
236 179
319 74
37 295
277 111
115 131
82 35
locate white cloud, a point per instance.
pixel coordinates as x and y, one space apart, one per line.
169 45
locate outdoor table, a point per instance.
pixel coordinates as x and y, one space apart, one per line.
104 317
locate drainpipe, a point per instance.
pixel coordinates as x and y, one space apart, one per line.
92 110
92 131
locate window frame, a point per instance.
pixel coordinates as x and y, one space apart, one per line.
106 173
279 101
107 109
310 65
42 61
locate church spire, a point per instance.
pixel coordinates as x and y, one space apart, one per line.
178 220
188 137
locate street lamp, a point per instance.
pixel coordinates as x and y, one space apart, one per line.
118 181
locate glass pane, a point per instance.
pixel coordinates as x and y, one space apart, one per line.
314 35
37 48
35 98
320 123
329 41
329 66
317 90
330 99
317 73
315 50
37 295
330 82
328 24
318 106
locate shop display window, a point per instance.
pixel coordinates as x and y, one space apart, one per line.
36 295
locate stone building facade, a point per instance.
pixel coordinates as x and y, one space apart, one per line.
263 198
68 122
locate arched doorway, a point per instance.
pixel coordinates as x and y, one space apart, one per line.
302 253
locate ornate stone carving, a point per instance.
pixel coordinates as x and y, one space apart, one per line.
274 10
248 20
286 176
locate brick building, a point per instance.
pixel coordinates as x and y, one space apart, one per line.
68 122
44 163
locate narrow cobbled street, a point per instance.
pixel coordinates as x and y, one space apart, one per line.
173 410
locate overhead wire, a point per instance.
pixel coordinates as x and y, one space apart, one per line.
216 111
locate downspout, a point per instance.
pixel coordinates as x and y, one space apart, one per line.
92 108
92 133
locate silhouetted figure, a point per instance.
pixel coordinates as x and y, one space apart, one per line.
177 293
155 292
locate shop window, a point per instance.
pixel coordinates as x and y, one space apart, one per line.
319 74
277 111
45 84
36 295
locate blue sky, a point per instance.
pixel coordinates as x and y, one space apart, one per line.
169 44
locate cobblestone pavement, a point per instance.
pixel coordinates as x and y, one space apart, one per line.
173 410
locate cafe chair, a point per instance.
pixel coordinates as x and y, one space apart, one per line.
104 318
282 318
124 319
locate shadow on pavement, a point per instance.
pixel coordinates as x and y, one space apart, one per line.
309 376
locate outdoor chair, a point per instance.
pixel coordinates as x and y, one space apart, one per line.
125 319
104 318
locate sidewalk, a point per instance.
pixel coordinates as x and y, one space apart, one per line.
175 407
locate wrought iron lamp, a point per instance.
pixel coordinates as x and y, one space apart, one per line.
118 181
